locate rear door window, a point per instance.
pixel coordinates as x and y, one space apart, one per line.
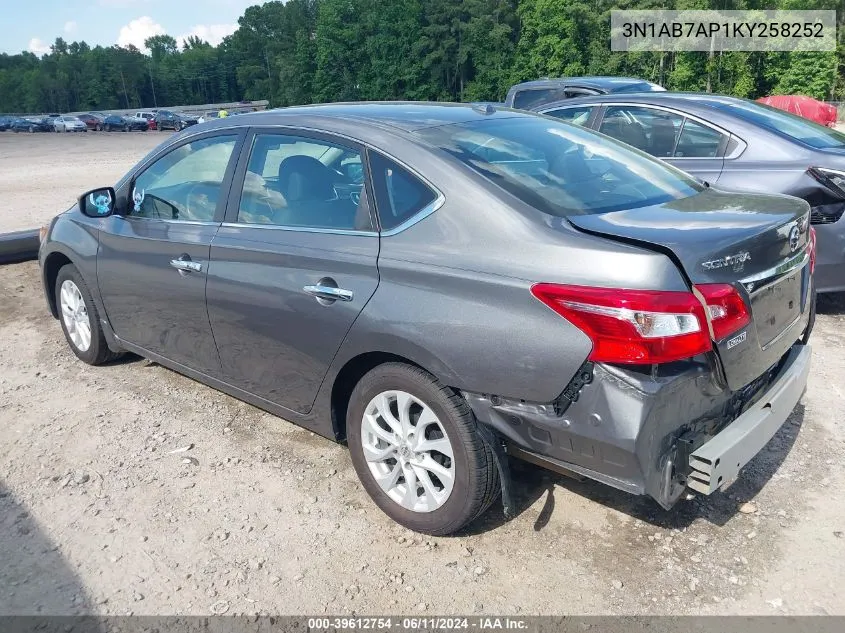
296 181
699 141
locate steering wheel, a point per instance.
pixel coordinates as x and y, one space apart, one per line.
197 204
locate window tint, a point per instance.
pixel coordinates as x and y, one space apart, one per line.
652 131
576 116
560 169
698 141
185 183
302 182
399 194
525 99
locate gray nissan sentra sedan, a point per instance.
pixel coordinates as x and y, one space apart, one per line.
444 287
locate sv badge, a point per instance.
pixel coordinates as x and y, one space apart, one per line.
736 340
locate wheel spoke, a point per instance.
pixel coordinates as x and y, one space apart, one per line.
432 495
441 445
403 403
371 425
442 472
373 454
387 416
409 499
388 480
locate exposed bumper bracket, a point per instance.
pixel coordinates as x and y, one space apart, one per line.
720 459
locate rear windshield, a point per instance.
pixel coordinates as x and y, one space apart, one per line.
786 124
561 169
640 87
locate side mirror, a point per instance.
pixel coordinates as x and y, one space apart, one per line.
98 203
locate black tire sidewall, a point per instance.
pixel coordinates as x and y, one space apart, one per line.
98 351
454 513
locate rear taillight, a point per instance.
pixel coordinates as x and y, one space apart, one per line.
631 326
726 309
811 246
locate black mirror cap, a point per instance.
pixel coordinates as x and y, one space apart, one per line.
98 203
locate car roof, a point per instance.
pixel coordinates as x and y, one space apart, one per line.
599 82
407 116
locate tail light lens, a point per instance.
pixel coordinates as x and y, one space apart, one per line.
631 326
726 309
812 248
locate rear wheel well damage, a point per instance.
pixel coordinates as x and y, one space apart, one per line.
52 265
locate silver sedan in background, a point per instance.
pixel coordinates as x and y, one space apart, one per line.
68 123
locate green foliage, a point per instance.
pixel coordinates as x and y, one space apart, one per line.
304 51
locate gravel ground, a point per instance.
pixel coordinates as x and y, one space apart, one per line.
43 174
98 514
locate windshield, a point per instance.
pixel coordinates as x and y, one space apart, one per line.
561 169
786 124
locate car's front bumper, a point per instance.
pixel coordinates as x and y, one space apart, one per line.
639 430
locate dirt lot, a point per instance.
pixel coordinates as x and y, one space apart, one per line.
42 174
97 514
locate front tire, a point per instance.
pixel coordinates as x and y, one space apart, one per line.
79 318
417 450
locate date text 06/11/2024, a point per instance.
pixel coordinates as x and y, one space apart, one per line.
487 623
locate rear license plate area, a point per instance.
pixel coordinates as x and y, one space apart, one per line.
776 306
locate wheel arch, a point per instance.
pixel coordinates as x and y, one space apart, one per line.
350 375
53 263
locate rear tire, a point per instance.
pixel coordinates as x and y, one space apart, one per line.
76 306
448 491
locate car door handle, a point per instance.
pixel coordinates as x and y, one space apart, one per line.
329 293
186 265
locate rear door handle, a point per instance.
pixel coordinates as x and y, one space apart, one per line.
185 265
329 293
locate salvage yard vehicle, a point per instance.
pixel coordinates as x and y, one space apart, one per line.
445 286
124 123
92 121
168 120
738 145
68 123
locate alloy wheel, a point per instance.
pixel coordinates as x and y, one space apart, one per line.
408 451
75 315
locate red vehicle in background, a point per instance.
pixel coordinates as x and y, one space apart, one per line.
807 107
92 121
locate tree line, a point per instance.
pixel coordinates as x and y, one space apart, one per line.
311 51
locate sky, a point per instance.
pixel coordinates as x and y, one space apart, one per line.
35 24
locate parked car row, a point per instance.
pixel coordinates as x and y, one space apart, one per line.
99 121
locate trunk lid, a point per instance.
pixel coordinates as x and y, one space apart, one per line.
757 243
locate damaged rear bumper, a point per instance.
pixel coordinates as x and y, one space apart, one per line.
651 431
721 458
